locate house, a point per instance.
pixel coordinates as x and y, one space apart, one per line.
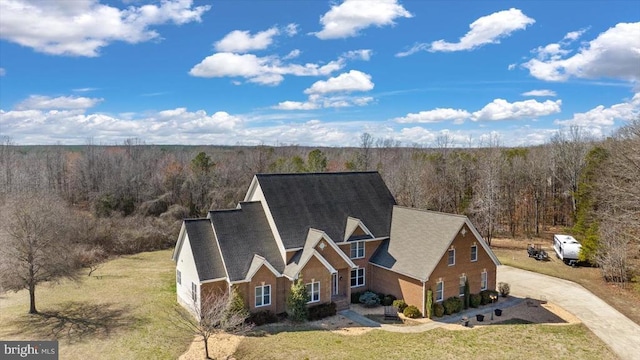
340 233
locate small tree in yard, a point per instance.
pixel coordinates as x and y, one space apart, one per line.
467 292
297 301
429 303
218 313
35 243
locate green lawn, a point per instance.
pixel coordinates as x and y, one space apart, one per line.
489 342
125 314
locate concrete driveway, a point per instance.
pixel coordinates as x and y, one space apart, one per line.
616 330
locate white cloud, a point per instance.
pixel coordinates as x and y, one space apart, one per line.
615 53
291 29
239 41
86 89
292 54
354 80
434 116
539 93
500 109
348 18
602 118
83 27
62 102
3 72
487 30
362 54
511 67
296 105
414 49
574 35
267 70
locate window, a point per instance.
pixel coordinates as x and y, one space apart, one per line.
178 277
313 289
357 277
452 257
474 253
483 280
357 250
463 279
194 292
439 291
263 295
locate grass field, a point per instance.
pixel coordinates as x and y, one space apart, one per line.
513 253
489 342
124 313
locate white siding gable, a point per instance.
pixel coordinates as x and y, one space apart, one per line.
186 264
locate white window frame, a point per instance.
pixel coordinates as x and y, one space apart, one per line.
463 279
357 276
359 248
313 288
441 291
483 280
194 291
259 299
474 258
449 252
178 277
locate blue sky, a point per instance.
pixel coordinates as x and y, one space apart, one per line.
316 73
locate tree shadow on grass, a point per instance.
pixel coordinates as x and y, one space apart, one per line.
74 322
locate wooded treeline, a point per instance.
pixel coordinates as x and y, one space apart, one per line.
132 197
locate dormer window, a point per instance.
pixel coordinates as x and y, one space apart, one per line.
357 250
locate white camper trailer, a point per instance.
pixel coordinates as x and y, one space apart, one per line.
567 248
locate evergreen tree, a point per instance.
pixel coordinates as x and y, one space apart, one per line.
297 301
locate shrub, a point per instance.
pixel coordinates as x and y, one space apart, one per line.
369 299
400 305
466 294
452 305
297 301
474 300
504 289
485 297
355 297
262 317
388 300
412 312
438 310
321 311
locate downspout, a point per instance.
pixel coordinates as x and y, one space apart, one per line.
424 299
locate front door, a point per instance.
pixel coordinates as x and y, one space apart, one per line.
334 284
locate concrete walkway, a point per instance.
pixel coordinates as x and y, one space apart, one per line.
454 319
616 330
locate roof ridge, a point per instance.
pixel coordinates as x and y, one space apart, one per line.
317 173
431 211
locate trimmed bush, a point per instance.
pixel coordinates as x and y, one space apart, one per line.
504 289
355 297
466 294
474 300
486 296
400 305
262 317
297 301
452 305
321 311
388 300
438 310
412 312
369 299
429 304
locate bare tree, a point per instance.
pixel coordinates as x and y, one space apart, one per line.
35 244
216 313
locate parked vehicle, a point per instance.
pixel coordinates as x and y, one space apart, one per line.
535 251
567 248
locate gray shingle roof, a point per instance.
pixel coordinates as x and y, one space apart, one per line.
418 241
241 233
205 249
325 201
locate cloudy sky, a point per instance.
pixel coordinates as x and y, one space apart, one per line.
317 73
